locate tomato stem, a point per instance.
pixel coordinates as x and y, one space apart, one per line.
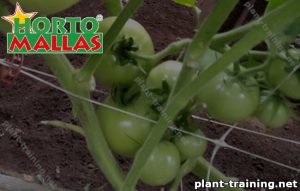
90 67
64 125
254 69
96 142
113 7
202 41
185 169
220 40
171 49
197 13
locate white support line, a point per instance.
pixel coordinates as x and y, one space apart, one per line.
262 158
247 130
215 151
153 121
193 116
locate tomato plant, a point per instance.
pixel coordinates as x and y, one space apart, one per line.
119 68
228 99
162 165
278 75
202 72
45 7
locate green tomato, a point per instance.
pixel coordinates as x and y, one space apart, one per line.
167 71
295 53
46 7
273 113
162 166
229 100
117 71
278 73
124 133
190 146
209 58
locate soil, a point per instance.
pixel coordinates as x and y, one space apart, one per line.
63 154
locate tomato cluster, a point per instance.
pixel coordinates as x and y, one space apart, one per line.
231 97
126 133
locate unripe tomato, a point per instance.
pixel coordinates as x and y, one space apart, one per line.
295 53
273 113
167 71
190 146
229 100
124 133
45 7
162 165
278 72
113 70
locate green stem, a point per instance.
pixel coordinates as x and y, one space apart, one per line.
201 170
89 68
185 169
197 13
64 125
220 40
171 49
113 7
255 69
276 20
95 139
260 55
98 147
202 41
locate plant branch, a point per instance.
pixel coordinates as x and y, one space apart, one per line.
64 125
220 40
255 69
113 7
89 68
202 41
185 169
171 49
197 13
95 139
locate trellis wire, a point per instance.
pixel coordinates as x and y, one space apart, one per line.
218 142
193 116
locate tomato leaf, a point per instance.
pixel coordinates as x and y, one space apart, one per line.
188 3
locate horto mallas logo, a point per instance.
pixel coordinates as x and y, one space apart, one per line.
42 35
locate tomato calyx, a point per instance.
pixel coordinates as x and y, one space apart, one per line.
122 48
125 95
161 95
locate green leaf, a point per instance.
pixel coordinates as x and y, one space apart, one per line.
188 3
